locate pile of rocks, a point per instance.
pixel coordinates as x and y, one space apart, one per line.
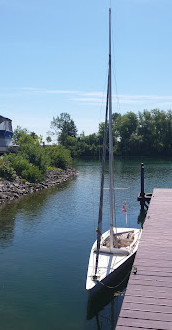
13 190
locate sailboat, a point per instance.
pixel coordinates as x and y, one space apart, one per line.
115 249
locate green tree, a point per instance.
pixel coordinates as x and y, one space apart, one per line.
63 126
18 132
126 131
48 139
168 136
34 135
146 131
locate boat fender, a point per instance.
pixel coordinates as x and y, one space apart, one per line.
134 270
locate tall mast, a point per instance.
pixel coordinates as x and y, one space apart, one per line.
111 190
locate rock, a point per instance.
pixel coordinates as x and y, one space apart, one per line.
13 190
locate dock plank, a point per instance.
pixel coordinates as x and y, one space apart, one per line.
131 323
144 306
146 316
148 300
148 291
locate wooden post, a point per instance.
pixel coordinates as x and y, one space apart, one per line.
143 198
142 193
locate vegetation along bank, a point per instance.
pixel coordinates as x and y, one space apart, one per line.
33 167
12 190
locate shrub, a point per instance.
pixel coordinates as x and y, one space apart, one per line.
53 168
19 163
59 156
34 152
32 174
23 168
7 172
33 161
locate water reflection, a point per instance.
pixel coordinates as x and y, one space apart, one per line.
7 223
28 208
141 217
47 236
105 305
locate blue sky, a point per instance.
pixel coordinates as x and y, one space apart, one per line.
54 58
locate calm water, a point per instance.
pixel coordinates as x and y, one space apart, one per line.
45 241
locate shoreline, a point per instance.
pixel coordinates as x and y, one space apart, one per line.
13 190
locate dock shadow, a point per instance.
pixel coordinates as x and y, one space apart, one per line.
112 296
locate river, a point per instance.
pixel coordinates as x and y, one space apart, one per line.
45 241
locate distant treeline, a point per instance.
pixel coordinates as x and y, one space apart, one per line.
146 133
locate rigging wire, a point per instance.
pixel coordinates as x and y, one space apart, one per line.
116 286
114 71
114 194
118 109
102 105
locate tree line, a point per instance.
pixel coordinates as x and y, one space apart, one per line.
146 133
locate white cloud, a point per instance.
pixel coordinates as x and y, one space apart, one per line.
95 97
96 94
124 100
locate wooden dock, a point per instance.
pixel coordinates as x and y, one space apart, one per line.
148 300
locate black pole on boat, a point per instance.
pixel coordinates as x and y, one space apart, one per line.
142 193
